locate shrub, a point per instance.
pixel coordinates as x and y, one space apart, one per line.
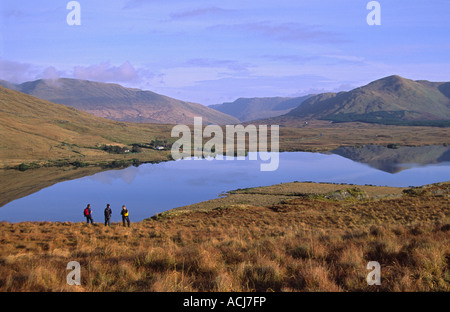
24 166
114 149
261 278
393 146
79 164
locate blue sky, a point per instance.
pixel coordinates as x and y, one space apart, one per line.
210 52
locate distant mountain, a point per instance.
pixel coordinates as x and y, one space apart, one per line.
247 109
115 102
390 100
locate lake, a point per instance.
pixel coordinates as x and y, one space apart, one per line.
154 188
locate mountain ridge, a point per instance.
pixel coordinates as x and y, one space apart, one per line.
37 130
115 102
387 100
248 109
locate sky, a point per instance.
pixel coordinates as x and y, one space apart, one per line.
210 52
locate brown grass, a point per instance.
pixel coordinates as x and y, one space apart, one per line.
306 244
286 192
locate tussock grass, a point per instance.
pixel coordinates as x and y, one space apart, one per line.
305 244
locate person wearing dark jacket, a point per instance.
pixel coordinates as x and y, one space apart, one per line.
108 213
88 214
125 216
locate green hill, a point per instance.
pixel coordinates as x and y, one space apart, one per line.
116 102
390 100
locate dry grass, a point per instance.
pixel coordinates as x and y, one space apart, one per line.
306 244
39 131
325 136
286 192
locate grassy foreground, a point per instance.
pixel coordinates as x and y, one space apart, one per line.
311 241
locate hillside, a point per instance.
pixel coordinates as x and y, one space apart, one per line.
247 109
306 243
390 100
115 102
38 130
35 130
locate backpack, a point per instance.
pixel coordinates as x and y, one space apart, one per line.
86 212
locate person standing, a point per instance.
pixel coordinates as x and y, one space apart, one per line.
125 216
88 214
108 213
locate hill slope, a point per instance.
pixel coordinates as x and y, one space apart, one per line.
115 102
303 243
36 130
390 100
247 109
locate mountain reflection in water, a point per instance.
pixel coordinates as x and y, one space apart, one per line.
59 194
395 159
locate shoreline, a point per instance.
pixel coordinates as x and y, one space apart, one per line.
121 163
273 195
301 244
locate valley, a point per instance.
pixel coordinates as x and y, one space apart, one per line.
294 236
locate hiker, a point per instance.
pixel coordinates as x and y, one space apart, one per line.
88 214
125 217
108 213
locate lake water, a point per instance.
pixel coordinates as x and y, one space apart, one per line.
153 188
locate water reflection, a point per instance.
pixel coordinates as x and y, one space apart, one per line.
153 188
394 159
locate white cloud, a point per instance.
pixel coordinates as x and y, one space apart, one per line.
198 12
17 72
285 31
106 72
51 73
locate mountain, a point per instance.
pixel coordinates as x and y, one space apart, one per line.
37 130
247 109
390 100
116 102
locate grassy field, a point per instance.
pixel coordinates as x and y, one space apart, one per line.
318 136
284 192
307 237
325 136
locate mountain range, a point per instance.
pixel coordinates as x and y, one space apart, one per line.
118 103
248 109
390 100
